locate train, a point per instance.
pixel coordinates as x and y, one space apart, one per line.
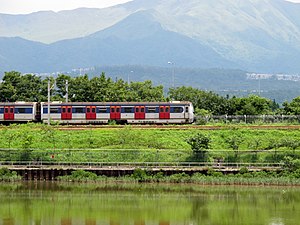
173 112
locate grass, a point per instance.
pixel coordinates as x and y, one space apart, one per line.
128 144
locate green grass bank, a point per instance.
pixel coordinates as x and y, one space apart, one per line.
127 144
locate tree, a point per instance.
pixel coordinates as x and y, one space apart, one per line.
60 91
292 108
199 143
209 101
17 87
251 105
144 91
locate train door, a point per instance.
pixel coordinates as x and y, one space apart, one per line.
66 112
90 113
115 112
9 112
164 112
139 112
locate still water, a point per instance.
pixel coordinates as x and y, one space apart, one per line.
123 204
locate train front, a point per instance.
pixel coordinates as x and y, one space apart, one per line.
191 113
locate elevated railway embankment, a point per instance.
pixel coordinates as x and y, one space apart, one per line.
42 171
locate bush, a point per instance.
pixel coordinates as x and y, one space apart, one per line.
7 175
199 143
140 175
81 175
180 178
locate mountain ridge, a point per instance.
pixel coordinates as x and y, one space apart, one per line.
253 35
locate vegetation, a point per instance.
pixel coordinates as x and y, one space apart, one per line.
7 175
29 87
244 177
39 143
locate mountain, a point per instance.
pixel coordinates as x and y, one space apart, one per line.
49 26
253 35
138 39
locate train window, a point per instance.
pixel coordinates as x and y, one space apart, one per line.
142 110
6 110
136 109
102 110
11 110
112 110
161 109
88 110
93 110
127 110
117 110
78 110
177 109
21 110
187 109
63 110
167 109
151 110
55 110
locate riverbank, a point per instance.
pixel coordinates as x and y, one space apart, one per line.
207 177
283 178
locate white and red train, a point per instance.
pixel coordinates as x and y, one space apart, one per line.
175 112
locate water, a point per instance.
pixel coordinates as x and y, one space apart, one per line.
112 204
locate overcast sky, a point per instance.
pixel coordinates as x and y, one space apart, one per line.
28 6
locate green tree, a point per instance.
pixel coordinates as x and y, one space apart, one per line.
199 143
292 108
209 101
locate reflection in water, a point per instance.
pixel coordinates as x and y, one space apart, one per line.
164 223
114 223
90 222
8 221
139 222
52 203
66 221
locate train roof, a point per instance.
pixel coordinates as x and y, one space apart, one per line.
120 103
16 103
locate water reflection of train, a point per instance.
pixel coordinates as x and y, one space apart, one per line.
175 112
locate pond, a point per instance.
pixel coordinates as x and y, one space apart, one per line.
146 204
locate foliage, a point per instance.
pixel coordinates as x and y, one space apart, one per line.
140 175
7 175
31 88
80 176
292 108
290 163
199 143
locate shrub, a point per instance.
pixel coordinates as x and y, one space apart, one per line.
199 143
140 175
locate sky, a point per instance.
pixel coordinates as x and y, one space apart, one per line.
29 6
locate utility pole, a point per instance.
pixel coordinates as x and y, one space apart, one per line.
67 90
49 89
49 98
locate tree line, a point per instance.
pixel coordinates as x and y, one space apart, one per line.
29 87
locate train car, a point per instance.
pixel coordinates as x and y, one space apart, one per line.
17 112
175 112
